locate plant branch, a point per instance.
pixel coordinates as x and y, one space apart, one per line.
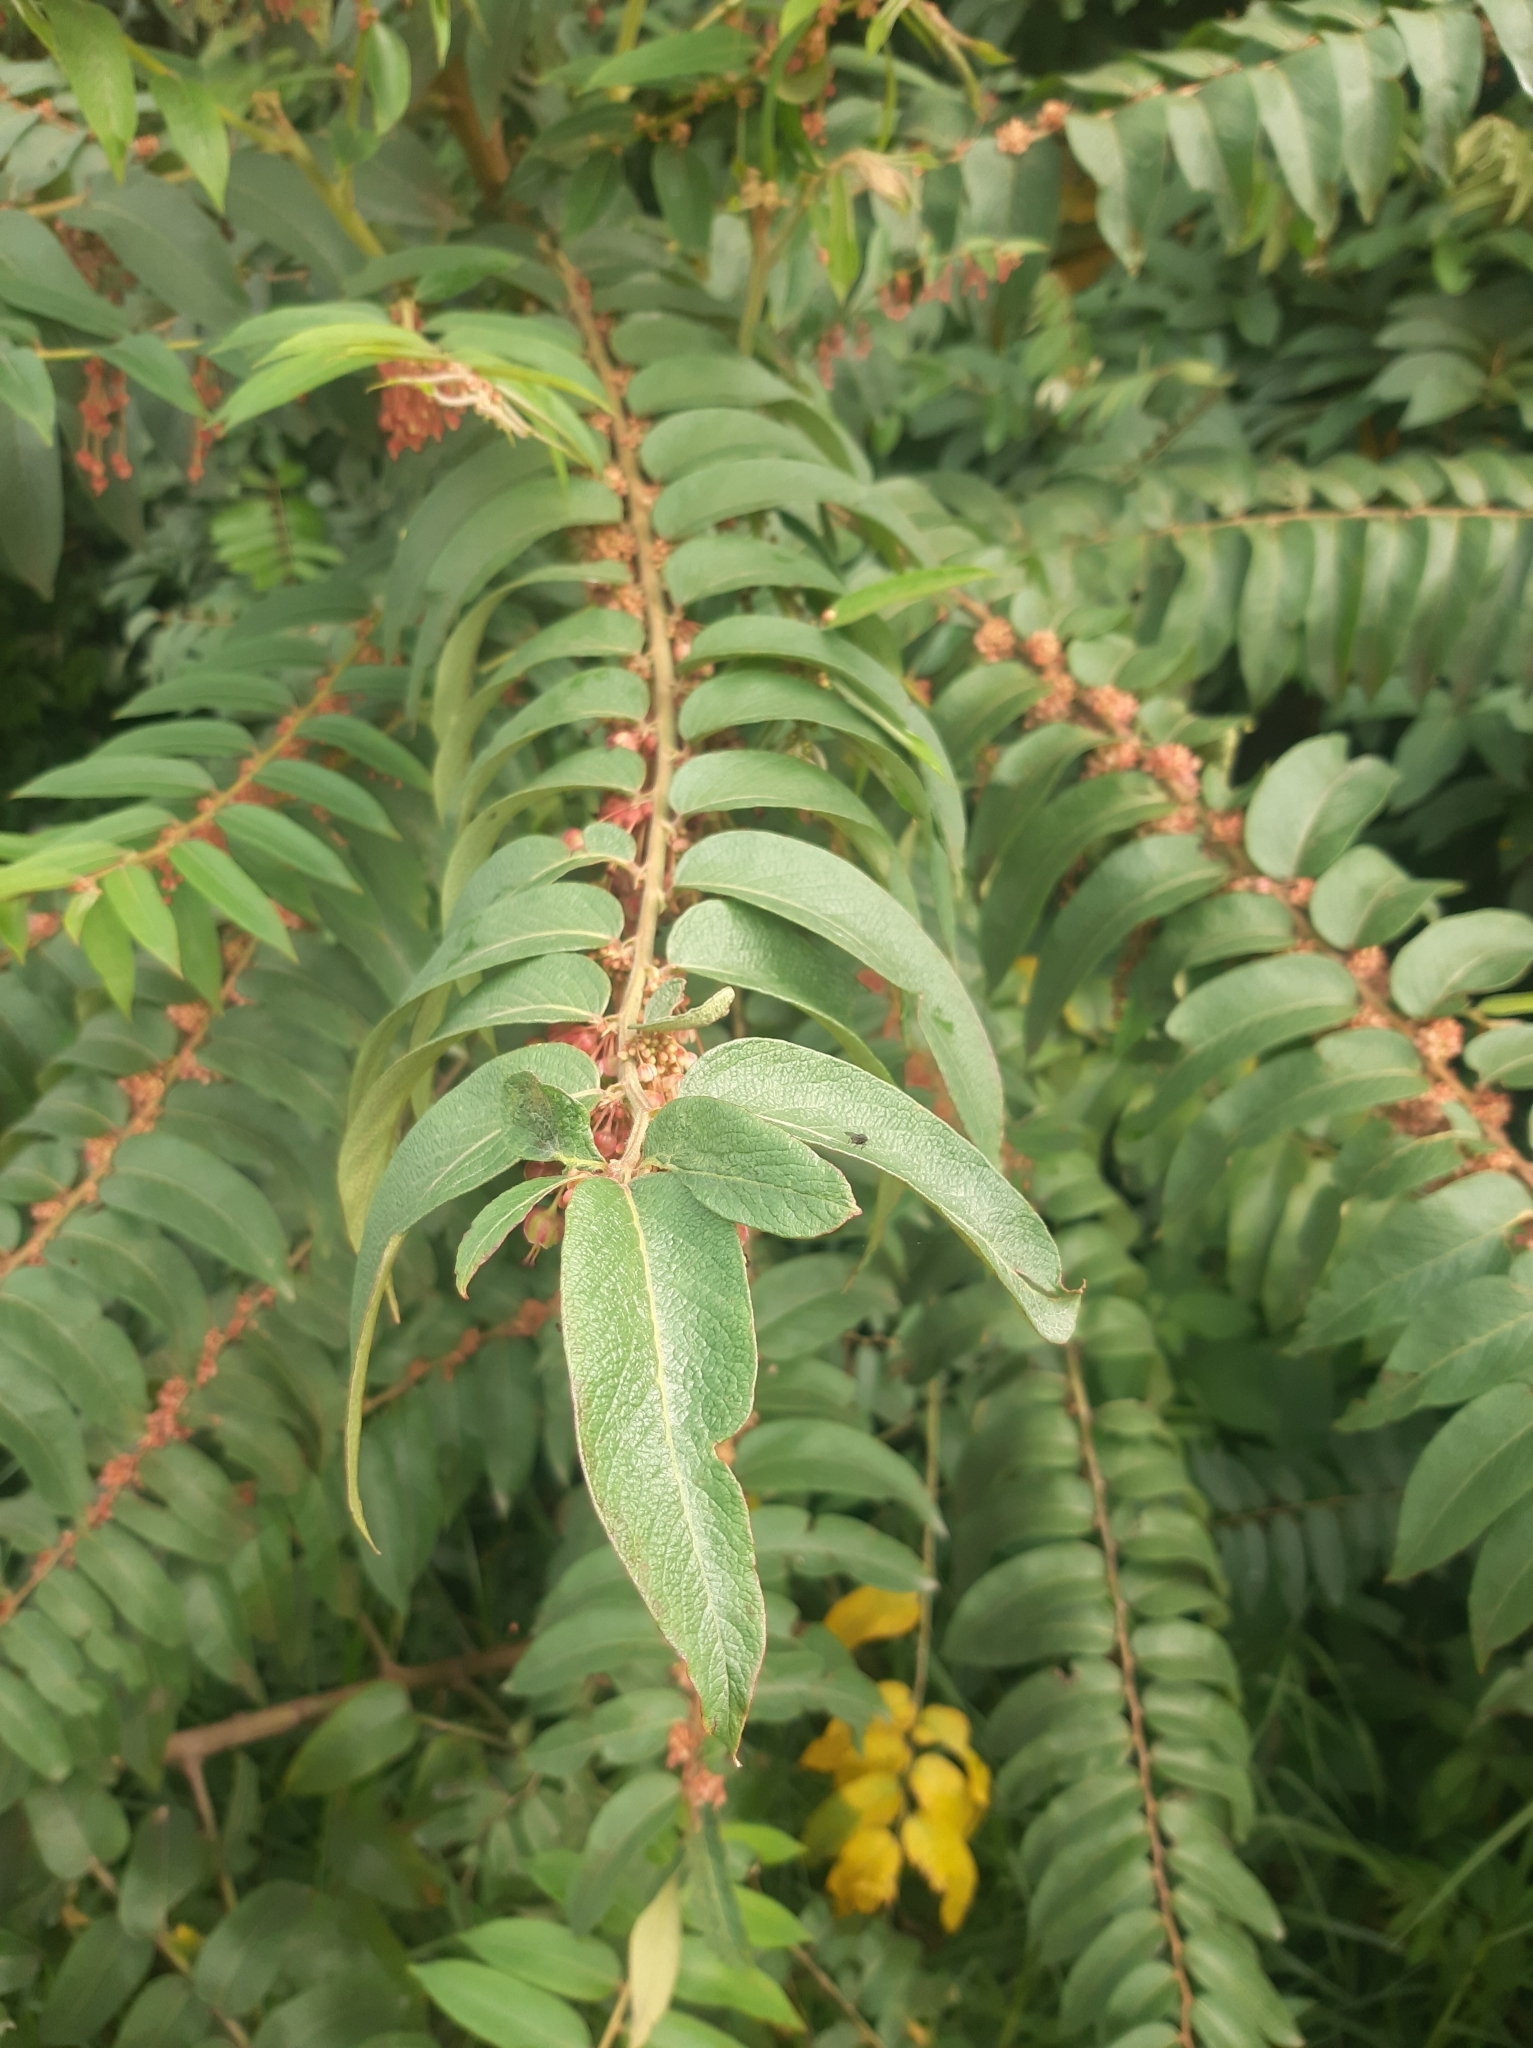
190 1748
659 626
1123 1656
833 1991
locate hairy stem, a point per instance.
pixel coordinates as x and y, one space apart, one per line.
658 622
1123 1656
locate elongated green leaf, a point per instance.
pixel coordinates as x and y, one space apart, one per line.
751 780
118 775
1363 899
1311 805
217 879
1146 879
1453 1234
503 2010
1461 956
732 943
747 1170
662 1356
670 59
1501 1591
195 130
517 1107
715 563
212 1205
1301 112
135 897
1473 1470
615 1847
42 1433
1248 1011
837 1107
1047 847
495 1223
1125 153
549 917
364 1734
835 900
602 693
830 1457
274 836
1503 1056
542 1952
94 53
893 593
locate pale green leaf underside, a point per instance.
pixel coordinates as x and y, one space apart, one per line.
662 1358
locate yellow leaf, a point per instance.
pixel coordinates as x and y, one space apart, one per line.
946 1862
866 1876
871 1615
943 1726
941 1790
876 1799
898 1705
654 1961
883 1749
829 1749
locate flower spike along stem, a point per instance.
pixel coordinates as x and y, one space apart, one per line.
1123 1657
659 622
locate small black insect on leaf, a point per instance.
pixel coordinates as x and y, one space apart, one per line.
858 1137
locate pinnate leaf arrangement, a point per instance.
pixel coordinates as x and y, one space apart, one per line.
734 628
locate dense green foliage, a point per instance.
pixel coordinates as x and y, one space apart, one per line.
721 629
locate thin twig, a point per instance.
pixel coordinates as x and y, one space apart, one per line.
934 1391
614 2023
833 1991
1123 1655
190 1746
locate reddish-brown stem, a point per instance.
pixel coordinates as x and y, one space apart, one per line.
1123 1656
190 1748
659 625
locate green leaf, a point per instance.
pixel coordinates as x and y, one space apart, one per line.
1501 1591
42 1434
705 1979
118 775
231 892
106 945
1311 804
542 1952
835 1106
148 361
238 1963
1425 1246
835 900
502 2010
169 1858
495 1223
1036 857
747 1170
685 192
549 917
1503 1057
1245 1012
101 1971
195 130
619 1836
31 1731
1462 1344
140 1590
1301 112
730 942
328 790
1512 21
1125 153
1364 899
747 779
1458 957
94 53
364 1734
662 1357
212 1205
894 593
830 1457
513 1108
27 389
1148 878
274 836
1447 54
1273 601
1047 1602
716 563
713 1902
135 897
1474 1469
673 58
1372 119
386 66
